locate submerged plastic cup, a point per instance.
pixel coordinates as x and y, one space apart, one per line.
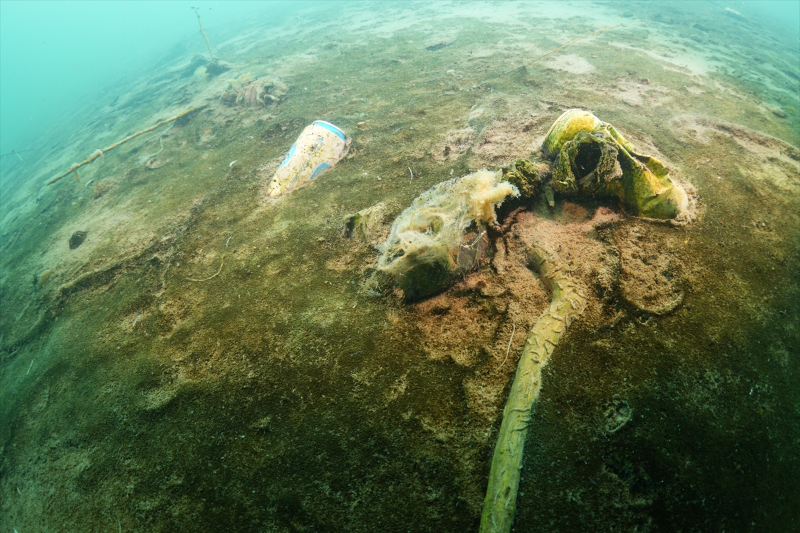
318 148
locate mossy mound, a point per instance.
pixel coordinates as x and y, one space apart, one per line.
526 176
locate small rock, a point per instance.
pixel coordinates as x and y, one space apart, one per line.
77 239
365 224
154 163
617 415
778 112
42 278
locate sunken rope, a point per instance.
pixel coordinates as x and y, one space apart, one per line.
205 37
99 153
221 264
566 304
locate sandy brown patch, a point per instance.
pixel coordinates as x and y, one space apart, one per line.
649 272
481 323
575 249
641 92
506 139
454 145
765 157
572 63
455 328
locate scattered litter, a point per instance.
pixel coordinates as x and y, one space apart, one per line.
614 167
320 146
99 153
423 251
232 162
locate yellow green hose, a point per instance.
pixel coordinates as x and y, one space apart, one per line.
566 304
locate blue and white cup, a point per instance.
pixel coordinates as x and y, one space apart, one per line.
320 146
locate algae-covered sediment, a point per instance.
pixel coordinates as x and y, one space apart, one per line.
283 394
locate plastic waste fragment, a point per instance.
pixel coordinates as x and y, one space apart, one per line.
592 158
320 146
566 304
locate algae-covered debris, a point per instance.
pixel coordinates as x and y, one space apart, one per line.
431 228
423 248
617 415
526 176
201 73
100 153
246 91
567 304
592 159
365 224
425 252
205 36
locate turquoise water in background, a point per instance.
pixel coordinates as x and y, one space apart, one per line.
56 57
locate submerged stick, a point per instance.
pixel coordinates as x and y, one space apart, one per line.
566 305
508 350
99 153
221 264
17 152
203 31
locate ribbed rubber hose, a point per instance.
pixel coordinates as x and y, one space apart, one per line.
566 304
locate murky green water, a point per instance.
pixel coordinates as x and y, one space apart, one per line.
283 392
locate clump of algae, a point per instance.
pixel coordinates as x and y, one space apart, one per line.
422 250
431 229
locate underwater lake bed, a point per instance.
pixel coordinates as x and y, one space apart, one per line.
179 351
